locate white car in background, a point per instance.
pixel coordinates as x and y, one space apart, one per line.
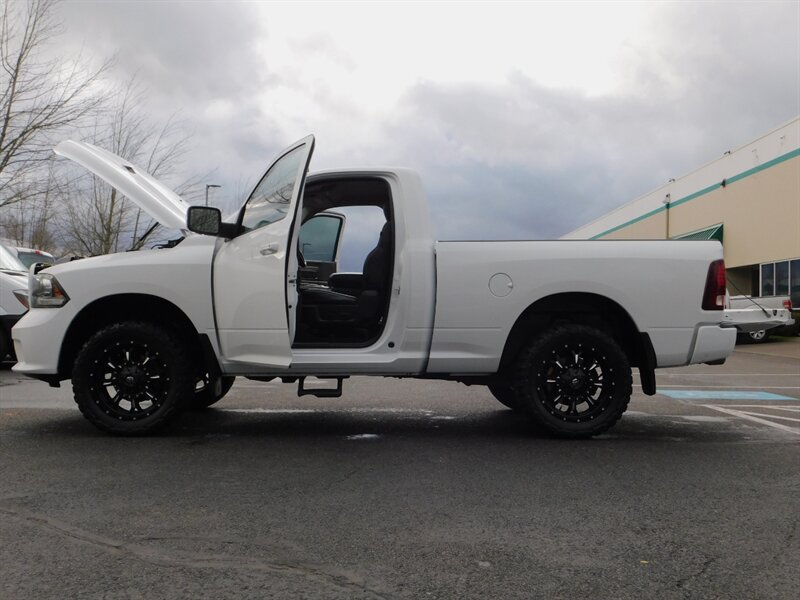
30 256
13 295
757 318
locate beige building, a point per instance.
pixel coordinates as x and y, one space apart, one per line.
749 199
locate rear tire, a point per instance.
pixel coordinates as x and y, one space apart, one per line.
131 378
574 381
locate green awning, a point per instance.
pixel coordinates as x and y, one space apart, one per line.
712 233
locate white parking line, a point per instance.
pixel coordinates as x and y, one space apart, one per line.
662 373
733 387
751 417
770 407
779 417
687 374
703 418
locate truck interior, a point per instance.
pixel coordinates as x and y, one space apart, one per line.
342 309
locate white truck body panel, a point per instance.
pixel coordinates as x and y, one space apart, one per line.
163 204
472 323
254 278
180 275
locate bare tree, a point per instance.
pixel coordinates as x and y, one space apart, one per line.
96 218
30 223
38 95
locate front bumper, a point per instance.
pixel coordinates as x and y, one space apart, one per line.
713 343
37 339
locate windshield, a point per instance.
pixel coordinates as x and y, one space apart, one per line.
9 262
270 201
34 256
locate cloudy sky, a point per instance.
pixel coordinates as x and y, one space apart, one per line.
526 120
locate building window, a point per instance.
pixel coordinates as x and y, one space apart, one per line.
781 278
768 279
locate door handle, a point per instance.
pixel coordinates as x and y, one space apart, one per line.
269 249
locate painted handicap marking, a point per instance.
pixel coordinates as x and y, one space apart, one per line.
722 395
766 415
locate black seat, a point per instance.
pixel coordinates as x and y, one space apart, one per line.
331 305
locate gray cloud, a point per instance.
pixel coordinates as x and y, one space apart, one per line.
522 160
510 160
191 57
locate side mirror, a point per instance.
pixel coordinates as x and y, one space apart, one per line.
204 219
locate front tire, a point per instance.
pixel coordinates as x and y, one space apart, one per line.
131 378
574 381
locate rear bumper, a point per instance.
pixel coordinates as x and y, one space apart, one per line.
713 343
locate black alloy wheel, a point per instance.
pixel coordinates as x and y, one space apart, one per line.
574 380
131 378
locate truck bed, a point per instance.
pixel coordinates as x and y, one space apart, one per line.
482 288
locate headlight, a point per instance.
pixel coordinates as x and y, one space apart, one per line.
46 292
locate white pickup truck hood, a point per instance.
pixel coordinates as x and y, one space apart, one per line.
152 196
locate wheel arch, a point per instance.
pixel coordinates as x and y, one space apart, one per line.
588 309
132 307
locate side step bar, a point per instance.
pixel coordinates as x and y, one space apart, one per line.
320 393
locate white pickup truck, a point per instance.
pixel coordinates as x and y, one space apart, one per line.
551 327
756 318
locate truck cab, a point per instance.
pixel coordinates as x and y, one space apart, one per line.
287 317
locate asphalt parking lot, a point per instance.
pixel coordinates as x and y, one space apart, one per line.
411 489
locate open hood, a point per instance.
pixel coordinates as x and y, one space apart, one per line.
152 196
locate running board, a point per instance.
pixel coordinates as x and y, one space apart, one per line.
320 393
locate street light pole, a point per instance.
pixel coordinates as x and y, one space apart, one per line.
667 199
210 185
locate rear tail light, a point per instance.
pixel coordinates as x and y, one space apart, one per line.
787 304
714 294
